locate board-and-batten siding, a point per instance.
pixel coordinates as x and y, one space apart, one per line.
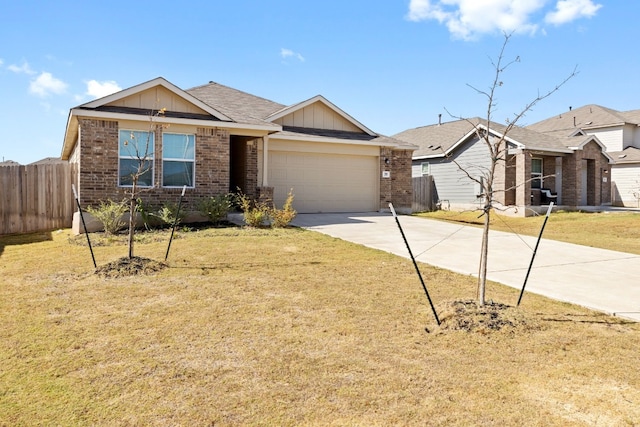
451 183
625 180
157 98
317 116
612 138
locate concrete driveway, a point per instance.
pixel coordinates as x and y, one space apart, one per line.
600 279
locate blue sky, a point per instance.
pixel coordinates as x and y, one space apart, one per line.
392 64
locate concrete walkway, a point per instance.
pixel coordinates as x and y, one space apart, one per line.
600 279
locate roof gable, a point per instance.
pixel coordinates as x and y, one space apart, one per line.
155 95
318 113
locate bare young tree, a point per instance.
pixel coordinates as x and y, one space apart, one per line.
140 147
497 148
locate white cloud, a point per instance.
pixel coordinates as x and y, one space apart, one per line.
1 62
98 89
570 10
24 68
288 53
45 84
468 19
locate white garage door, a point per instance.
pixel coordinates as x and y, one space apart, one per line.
325 182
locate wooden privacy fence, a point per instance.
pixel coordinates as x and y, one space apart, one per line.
36 197
423 194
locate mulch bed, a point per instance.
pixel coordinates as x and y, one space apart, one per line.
467 315
126 266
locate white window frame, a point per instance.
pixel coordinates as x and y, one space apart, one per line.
150 157
182 160
428 167
537 175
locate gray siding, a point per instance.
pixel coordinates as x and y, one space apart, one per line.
451 183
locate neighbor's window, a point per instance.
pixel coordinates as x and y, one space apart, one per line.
135 155
178 159
426 168
536 173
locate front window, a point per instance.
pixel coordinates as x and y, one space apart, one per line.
178 159
536 173
135 155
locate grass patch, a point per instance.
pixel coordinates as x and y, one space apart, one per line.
618 231
289 327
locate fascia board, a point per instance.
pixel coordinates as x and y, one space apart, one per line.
433 156
70 136
331 140
267 127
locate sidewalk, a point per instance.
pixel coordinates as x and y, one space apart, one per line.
600 279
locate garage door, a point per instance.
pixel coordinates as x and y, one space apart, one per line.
325 182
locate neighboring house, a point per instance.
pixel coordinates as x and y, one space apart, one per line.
539 168
48 161
214 139
619 131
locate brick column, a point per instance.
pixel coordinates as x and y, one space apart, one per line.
397 188
523 177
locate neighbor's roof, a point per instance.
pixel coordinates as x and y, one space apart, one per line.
440 139
587 117
48 160
628 155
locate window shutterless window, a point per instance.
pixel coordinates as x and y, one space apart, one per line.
536 173
426 169
135 154
178 159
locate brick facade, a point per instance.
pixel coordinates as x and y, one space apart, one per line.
98 175
398 188
99 160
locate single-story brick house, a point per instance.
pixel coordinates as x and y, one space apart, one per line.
619 131
539 168
215 139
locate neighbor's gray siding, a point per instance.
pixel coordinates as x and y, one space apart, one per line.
451 183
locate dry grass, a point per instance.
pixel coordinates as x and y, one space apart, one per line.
288 327
618 231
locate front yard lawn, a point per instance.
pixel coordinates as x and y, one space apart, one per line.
289 327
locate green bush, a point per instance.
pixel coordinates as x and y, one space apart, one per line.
109 214
282 217
215 208
169 214
149 217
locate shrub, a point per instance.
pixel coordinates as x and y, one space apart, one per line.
255 214
109 214
149 218
168 212
282 217
215 208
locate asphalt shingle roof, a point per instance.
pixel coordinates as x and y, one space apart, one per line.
586 117
240 106
440 138
628 155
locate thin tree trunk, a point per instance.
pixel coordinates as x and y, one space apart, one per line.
484 253
132 218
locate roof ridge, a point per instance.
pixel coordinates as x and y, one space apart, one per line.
211 82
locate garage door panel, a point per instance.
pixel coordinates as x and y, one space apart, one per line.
324 182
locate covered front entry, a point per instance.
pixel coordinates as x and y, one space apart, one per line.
324 177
